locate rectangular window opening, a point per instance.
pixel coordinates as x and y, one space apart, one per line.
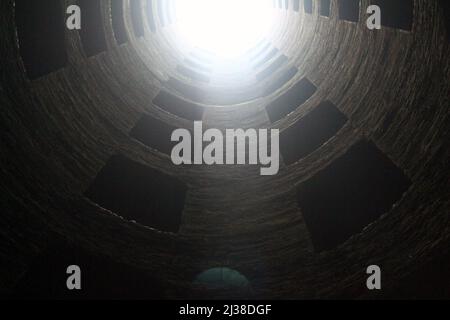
351 193
139 193
92 34
41 32
291 100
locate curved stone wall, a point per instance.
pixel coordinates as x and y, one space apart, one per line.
390 87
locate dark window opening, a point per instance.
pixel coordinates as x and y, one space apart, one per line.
311 132
197 65
139 193
92 34
256 53
154 134
136 18
281 81
191 92
178 106
150 16
272 68
349 10
308 6
191 74
291 100
41 32
272 53
351 193
396 14
325 7
118 22
216 97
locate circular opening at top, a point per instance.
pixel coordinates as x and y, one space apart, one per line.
225 28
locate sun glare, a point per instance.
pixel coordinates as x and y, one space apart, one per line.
226 28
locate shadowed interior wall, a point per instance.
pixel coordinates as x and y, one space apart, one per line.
65 116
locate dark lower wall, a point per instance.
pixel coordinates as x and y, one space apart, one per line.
60 129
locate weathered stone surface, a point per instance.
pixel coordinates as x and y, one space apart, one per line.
59 131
